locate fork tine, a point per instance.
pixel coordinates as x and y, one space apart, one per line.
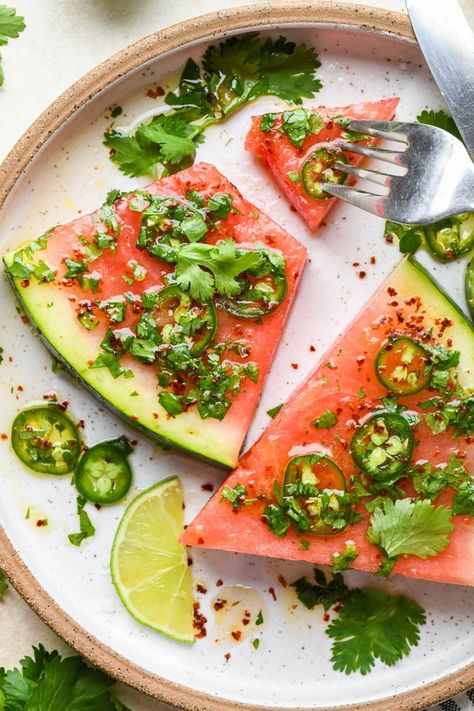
373 175
367 201
380 153
391 130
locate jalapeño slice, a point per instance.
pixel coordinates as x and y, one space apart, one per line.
261 288
469 284
316 469
46 440
319 169
183 320
103 474
383 445
451 238
316 486
403 366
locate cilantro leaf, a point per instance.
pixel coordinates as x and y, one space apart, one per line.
406 527
48 682
324 592
300 123
373 625
231 74
202 269
440 119
86 527
273 411
342 561
236 495
11 25
326 421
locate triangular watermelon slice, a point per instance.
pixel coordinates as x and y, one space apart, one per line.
285 160
70 316
344 383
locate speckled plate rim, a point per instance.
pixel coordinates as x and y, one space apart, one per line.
290 12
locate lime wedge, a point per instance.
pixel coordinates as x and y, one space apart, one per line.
148 564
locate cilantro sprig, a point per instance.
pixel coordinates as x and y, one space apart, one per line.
11 26
46 681
230 75
370 623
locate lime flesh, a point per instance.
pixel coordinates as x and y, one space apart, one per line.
148 564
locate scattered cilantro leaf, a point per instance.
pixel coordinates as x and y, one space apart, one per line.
299 123
231 74
440 119
406 527
235 495
11 25
343 560
85 524
373 625
256 643
46 681
326 421
325 592
259 618
273 411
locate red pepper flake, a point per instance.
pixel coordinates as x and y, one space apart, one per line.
25 283
219 583
89 362
282 581
337 607
219 603
272 593
80 424
294 366
20 388
98 507
312 349
207 487
326 617
10 359
50 396
391 291
41 522
190 561
356 264
134 417
155 415
199 621
362 275
237 635
63 405
373 260
24 319
360 360
3 436
201 589
155 93
200 541
389 237
227 656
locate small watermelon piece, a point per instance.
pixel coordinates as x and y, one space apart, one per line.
409 302
53 307
284 158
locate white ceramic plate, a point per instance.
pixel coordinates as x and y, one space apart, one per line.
291 668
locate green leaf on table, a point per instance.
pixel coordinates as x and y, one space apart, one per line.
11 25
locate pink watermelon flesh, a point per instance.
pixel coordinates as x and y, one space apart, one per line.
210 438
404 304
282 157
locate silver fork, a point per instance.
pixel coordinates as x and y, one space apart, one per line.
430 174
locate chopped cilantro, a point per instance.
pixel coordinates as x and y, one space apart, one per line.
170 403
326 421
299 123
86 527
294 176
273 411
268 122
361 394
324 592
235 495
259 618
256 643
341 561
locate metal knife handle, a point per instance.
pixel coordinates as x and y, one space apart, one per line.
447 42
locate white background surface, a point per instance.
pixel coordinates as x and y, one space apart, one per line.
63 40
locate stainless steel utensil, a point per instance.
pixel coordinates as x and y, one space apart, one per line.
431 175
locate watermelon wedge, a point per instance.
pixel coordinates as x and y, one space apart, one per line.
322 416
104 294
285 160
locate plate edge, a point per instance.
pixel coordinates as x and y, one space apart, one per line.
364 18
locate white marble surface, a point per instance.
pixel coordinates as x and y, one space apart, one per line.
63 40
